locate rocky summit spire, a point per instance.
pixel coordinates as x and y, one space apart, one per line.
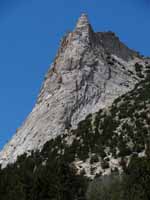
83 31
83 22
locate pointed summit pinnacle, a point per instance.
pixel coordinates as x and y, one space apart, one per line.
83 31
83 21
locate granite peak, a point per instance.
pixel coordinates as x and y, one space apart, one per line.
90 71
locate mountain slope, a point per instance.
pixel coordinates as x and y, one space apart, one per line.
104 142
89 72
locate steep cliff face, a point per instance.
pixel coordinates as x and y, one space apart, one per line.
89 72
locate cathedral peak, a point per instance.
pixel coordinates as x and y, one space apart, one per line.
89 72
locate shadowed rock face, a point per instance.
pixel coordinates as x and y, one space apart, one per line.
113 45
90 70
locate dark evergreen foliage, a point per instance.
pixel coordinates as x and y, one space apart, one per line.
134 184
42 176
51 175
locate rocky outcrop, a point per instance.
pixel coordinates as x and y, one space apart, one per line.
89 72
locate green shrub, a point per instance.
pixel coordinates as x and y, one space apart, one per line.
105 188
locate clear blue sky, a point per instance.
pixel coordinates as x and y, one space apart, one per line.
30 31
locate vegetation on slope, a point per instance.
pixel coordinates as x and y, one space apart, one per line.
120 132
132 185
